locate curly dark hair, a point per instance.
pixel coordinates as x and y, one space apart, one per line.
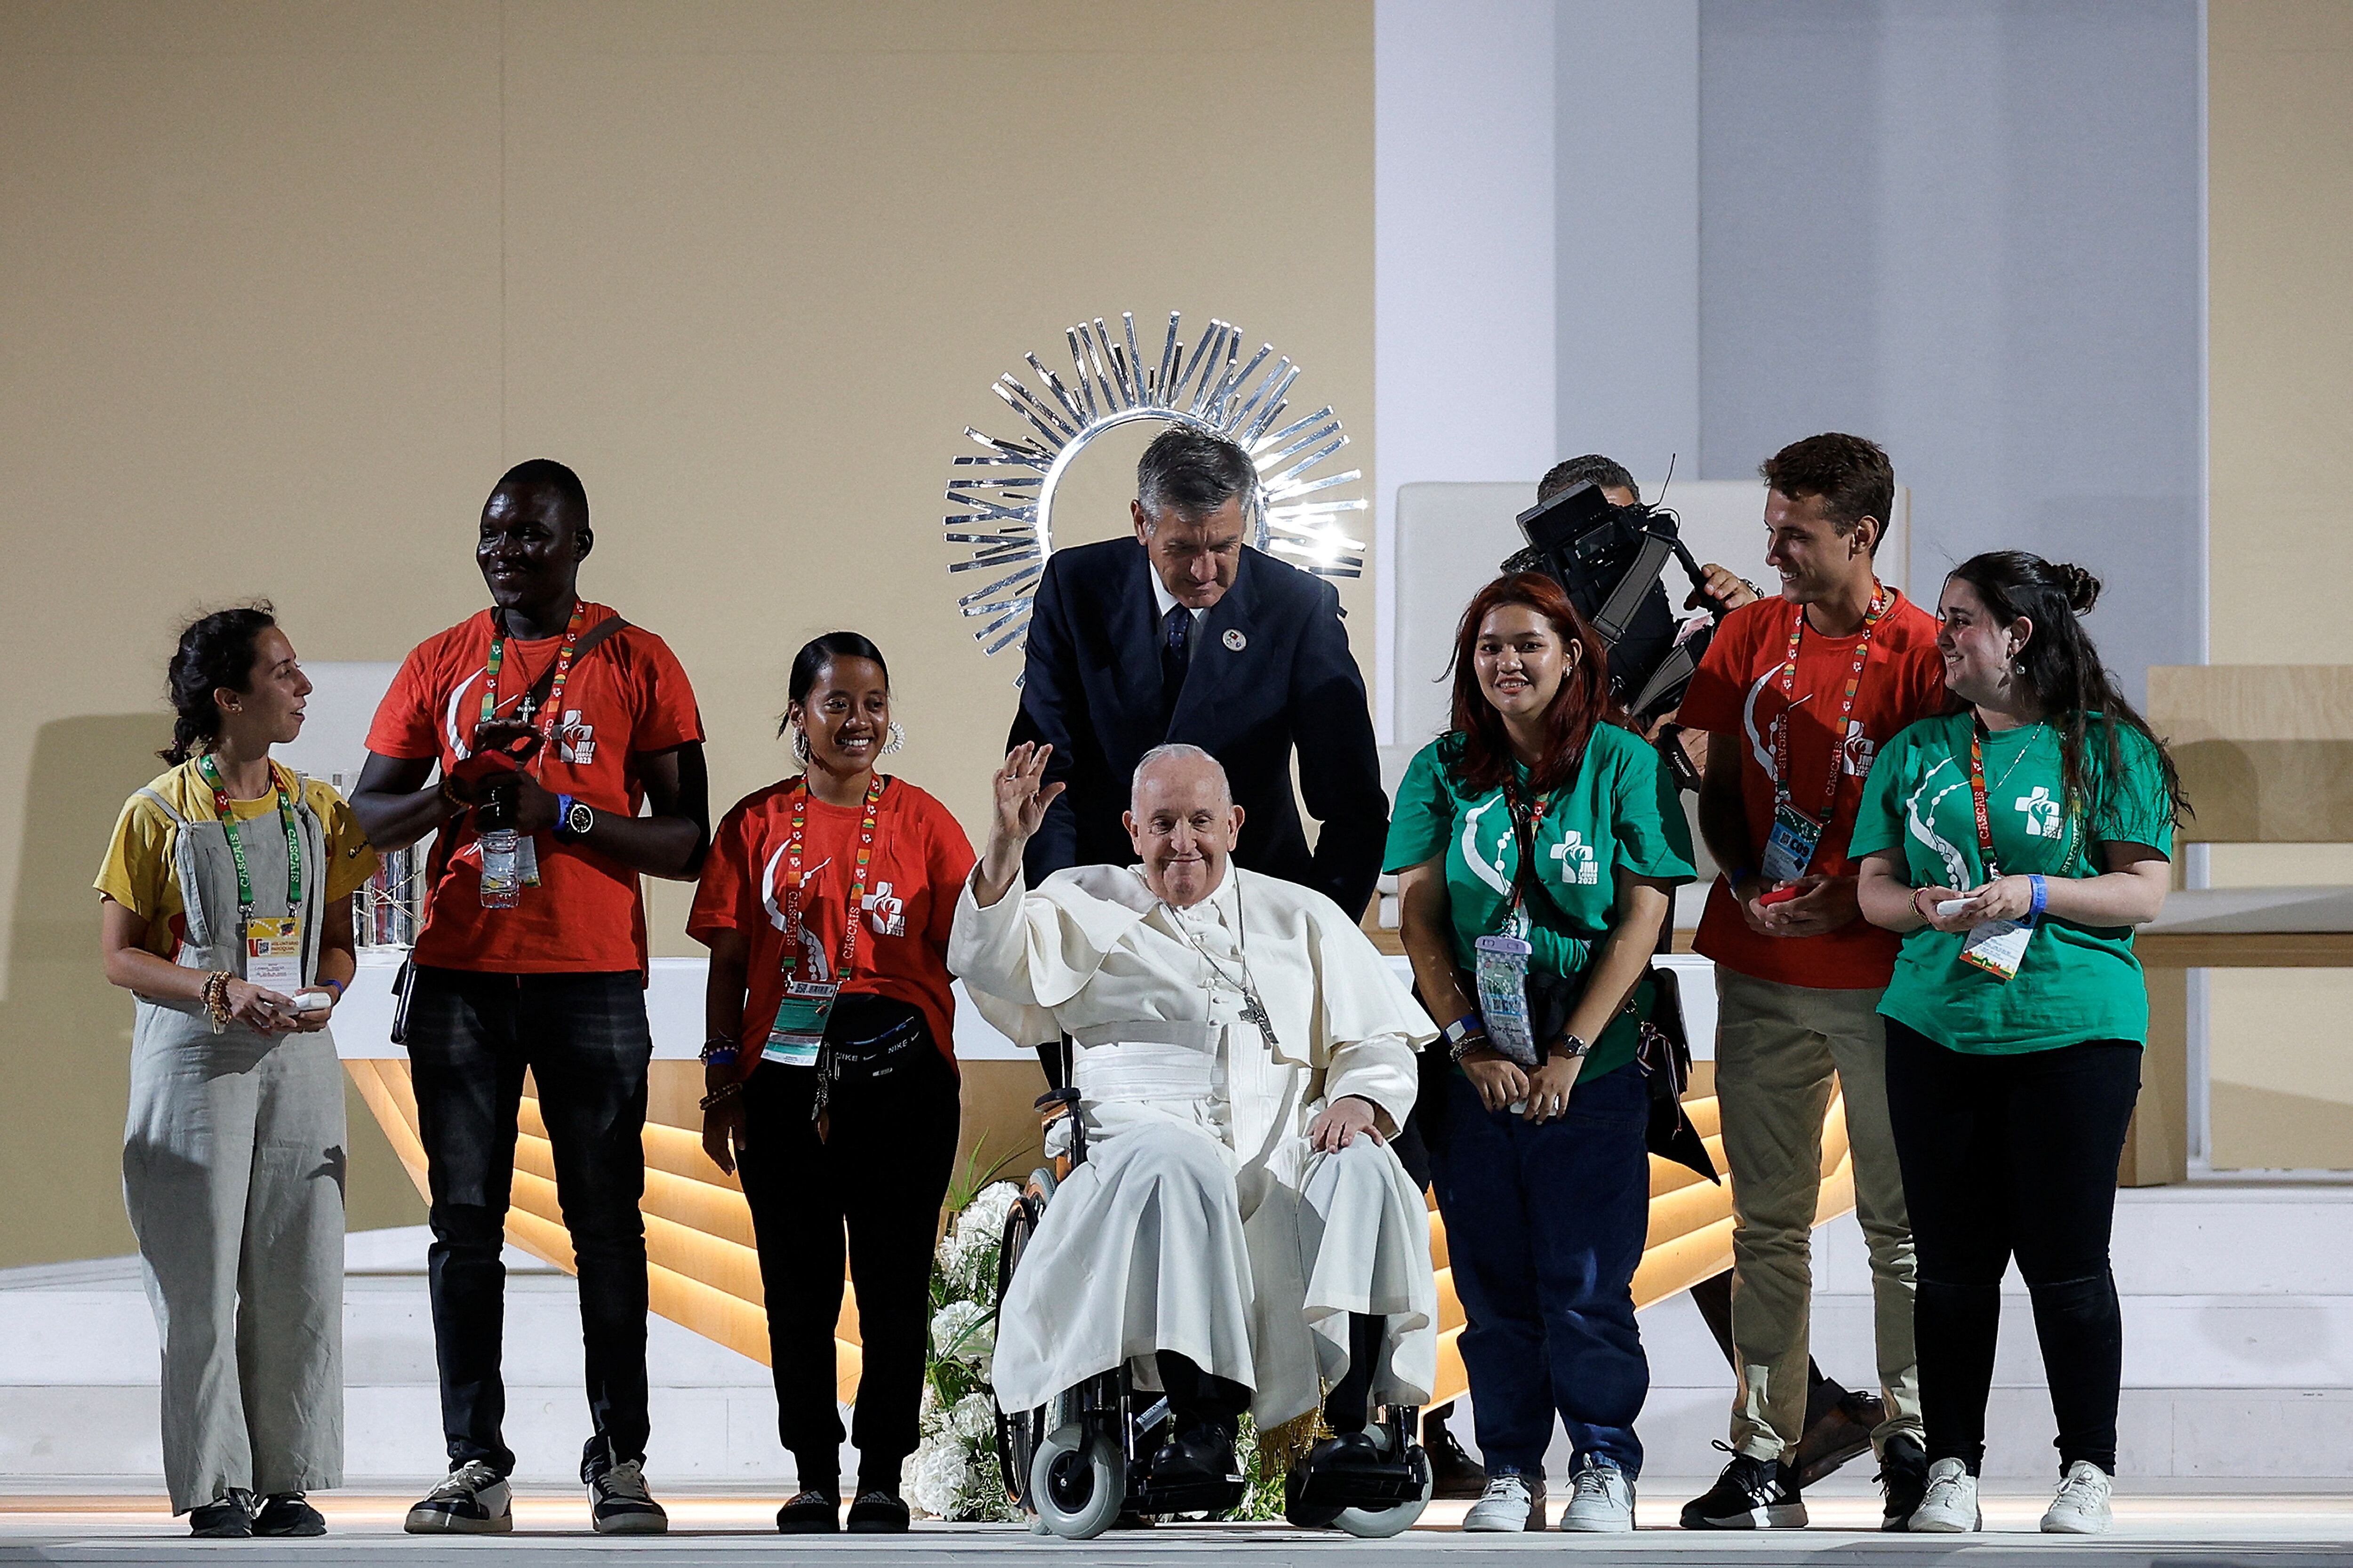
1852 475
216 651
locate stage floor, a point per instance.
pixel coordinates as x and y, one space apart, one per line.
2275 1529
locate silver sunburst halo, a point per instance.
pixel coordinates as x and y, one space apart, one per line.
1004 514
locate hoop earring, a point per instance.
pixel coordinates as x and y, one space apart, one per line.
801 744
895 740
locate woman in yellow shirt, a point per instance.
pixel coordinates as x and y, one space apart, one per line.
228 917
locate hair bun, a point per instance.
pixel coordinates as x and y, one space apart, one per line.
2082 589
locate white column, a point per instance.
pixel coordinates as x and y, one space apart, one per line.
1464 276
1626 236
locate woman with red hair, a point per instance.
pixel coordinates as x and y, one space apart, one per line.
1537 845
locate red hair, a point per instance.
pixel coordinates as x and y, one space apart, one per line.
1481 754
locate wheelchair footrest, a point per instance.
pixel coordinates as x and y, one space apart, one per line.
1184 1496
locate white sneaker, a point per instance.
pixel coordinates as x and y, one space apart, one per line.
1507 1504
1951 1505
2081 1506
1603 1500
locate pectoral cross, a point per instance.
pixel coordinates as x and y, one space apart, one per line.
525 710
1254 1014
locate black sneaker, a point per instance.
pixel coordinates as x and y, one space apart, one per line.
474 1500
287 1513
618 1503
811 1511
228 1517
1751 1494
877 1513
1455 1473
1903 1477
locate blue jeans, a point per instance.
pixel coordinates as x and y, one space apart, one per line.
1544 1226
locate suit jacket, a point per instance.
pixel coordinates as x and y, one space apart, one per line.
1091 688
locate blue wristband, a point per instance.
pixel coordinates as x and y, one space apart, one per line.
2041 897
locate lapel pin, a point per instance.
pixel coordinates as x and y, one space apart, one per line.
1235 640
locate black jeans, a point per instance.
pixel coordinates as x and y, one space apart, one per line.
583 1038
2003 1156
880 1174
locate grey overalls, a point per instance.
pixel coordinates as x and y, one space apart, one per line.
233 1161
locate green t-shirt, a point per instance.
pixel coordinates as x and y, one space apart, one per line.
1619 810
2077 983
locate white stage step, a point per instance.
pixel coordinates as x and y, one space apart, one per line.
2238 1361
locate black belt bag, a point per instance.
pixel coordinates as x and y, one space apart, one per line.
873 1045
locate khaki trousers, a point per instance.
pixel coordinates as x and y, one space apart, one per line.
1777 1048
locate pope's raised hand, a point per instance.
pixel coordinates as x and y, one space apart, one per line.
1022 793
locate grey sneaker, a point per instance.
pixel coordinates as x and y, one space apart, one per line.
474 1500
618 1503
1509 1503
2081 1506
1951 1506
1603 1500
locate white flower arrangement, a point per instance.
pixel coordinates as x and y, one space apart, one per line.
954 1474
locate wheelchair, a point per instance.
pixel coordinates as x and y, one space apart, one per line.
1081 1463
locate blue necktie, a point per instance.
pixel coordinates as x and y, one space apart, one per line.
1176 650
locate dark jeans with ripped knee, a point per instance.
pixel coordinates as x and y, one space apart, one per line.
2014 1156
585 1039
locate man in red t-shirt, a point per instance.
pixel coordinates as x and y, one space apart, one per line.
570 755
1797 693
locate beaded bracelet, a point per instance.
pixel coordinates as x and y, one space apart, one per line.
723 1093
215 998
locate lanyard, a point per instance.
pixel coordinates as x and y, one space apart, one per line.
211 772
1879 602
553 707
1985 818
1526 820
856 883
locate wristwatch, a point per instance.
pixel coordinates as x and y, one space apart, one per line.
573 819
1571 1046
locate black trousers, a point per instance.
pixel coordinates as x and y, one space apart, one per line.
584 1040
2014 1156
880 1175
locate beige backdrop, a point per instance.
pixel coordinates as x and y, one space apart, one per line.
286 286
2280 220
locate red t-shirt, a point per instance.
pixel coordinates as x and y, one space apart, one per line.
1737 698
624 699
920 862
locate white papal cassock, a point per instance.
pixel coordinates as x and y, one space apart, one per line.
1200 1221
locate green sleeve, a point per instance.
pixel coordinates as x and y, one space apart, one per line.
1423 813
1879 820
1653 839
2137 809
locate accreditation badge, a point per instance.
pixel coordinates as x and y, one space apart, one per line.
527 859
1998 947
273 952
1789 846
799 1029
1502 980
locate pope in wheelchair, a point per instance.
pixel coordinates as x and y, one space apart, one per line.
1235 1233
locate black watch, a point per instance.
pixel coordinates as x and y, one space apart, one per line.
573 820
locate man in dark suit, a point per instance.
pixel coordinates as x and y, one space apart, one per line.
1184 633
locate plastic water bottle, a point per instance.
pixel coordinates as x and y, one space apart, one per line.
502 876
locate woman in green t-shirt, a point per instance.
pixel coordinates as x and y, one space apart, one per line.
1537 846
2016 842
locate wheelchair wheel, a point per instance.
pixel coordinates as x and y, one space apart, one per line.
1379 1523
1018 1431
1077 1482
